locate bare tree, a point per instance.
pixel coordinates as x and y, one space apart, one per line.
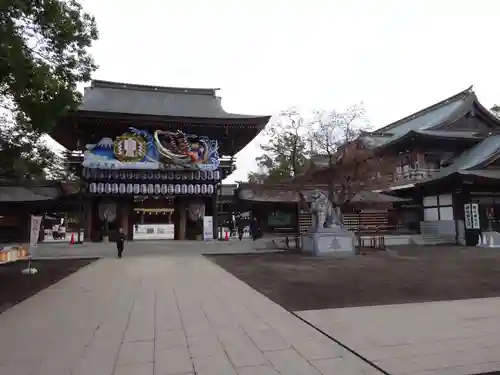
351 163
332 129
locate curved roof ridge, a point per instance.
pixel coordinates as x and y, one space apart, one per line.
461 95
139 87
132 99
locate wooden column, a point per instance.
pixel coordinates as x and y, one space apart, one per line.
182 220
215 214
124 208
88 219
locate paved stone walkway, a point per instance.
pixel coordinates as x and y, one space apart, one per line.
435 338
151 247
162 315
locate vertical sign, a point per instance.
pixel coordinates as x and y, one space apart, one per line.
208 229
36 222
476 224
468 216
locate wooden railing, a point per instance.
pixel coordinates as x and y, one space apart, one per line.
415 174
367 221
371 221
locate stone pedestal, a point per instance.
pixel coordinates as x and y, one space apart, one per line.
334 241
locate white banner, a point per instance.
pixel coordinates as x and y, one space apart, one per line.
154 232
208 228
36 222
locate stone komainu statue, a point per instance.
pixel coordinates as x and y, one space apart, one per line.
323 214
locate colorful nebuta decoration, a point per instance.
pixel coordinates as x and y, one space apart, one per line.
177 148
139 149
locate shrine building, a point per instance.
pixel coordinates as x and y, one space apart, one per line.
152 158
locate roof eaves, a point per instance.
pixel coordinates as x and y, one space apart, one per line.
426 110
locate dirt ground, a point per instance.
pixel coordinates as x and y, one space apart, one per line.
415 274
16 287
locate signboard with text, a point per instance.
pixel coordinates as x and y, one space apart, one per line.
208 229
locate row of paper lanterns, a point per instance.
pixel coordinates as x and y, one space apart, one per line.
157 189
151 175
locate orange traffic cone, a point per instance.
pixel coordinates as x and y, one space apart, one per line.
72 241
227 236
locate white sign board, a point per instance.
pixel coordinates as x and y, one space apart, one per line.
468 216
154 232
471 213
36 222
208 228
474 208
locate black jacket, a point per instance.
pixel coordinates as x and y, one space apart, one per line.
120 238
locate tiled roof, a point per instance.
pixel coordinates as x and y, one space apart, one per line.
472 159
12 194
103 96
426 120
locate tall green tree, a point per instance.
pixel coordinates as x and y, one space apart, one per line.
24 155
286 154
43 56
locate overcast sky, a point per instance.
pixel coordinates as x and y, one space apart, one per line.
395 56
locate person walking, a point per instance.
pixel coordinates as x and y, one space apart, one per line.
240 228
120 242
254 228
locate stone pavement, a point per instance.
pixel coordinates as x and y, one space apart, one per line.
447 337
148 247
162 315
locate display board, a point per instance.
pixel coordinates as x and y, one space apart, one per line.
279 219
208 228
471 213
154 232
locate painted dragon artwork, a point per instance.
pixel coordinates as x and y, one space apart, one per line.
140 149
176 148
